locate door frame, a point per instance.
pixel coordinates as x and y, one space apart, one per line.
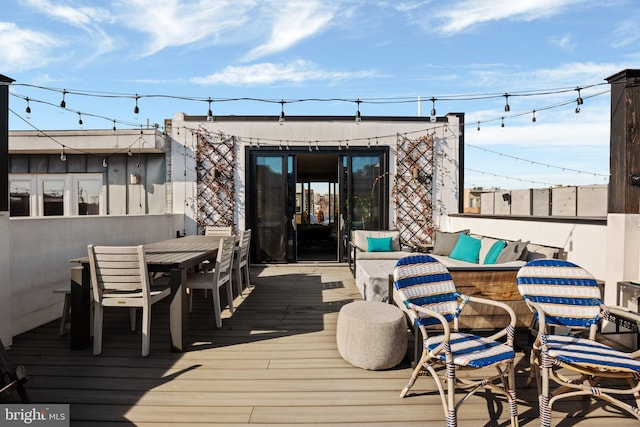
345 182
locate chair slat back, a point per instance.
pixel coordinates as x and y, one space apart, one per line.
118 268
424 281
218 231
569 295
245 243
224 260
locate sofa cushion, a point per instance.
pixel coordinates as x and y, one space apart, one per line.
467 248
379 244
513 251
359 238
446 241
494 252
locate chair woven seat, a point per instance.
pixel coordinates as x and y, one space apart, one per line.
472 351
590 354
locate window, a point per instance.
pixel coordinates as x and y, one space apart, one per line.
20 196
88 196
53 196
56 194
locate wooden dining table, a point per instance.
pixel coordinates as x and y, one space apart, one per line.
174 257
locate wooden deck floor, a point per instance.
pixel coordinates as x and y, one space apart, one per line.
274 363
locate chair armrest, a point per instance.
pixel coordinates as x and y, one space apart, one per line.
446 330
509 331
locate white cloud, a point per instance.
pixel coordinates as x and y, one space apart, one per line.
294 21
175 23
468 13
24 49
627 32
88 19
564 42
78 16
268 73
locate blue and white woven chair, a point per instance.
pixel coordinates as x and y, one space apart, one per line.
562 294
425 287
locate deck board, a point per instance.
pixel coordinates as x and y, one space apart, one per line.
273 363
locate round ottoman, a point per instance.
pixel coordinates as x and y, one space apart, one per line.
372 334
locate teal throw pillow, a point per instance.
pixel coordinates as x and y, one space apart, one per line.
379 244
467 248
494 252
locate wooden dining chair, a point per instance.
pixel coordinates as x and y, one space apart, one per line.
120 278
241 261
214 279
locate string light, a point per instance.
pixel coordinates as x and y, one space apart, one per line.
63 103
579 101
358 116
433 117
80 118
478 126
28 109
210 111
533 119
136 110
114 125
104 163
281 118
63 156
502 122
507 108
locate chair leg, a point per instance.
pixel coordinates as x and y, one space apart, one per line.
216 307
97 329
239 280
132 318
146 330
511 389
246 275
230 295
66 313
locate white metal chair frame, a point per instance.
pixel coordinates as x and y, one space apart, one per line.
216 278
241 262
120 278
562 294
427 290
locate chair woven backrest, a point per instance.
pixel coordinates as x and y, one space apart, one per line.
569 295
424 281
118 268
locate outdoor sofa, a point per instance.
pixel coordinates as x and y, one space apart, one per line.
480 266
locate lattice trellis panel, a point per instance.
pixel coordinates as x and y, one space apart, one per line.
413 190
215 161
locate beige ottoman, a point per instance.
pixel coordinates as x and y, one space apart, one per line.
372 334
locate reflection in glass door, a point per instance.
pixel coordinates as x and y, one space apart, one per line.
269 196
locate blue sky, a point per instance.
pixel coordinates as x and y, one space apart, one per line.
464 53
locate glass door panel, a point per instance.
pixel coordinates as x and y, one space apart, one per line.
270 209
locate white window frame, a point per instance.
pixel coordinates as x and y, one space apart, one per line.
41 179
31 180
74 193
